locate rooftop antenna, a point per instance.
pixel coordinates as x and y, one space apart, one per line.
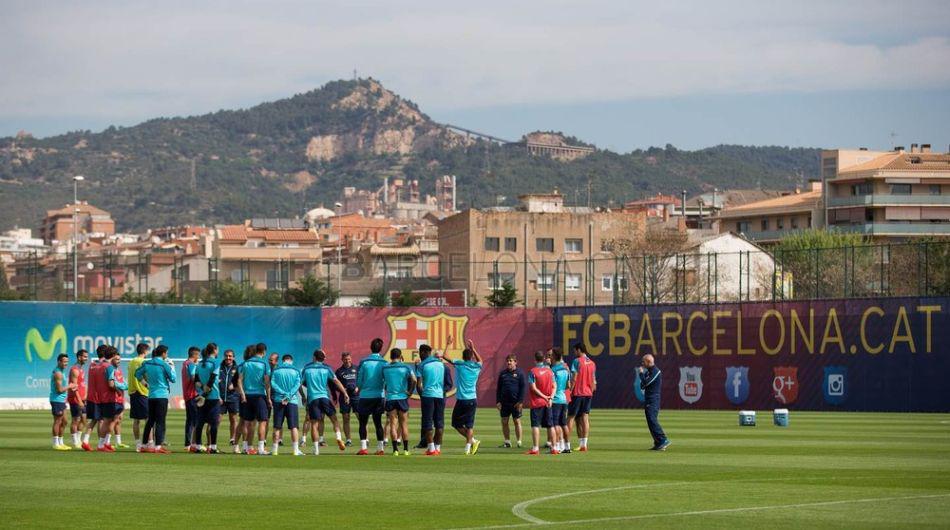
354 75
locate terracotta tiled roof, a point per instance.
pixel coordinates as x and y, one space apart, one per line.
232 233
904 162
795 202
243 233
69 209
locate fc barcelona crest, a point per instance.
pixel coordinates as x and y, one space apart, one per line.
408 332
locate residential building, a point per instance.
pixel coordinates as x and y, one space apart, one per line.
549 252
769 220
658 206
888 195
57 226
265 253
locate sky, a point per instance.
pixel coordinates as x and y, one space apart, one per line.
620 74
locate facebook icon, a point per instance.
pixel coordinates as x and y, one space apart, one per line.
737 384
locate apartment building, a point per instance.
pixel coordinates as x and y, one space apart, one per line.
888 194
769 220
266 253
546 250
57 226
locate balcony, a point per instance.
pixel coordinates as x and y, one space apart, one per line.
897 229
768 236
889 200
224 252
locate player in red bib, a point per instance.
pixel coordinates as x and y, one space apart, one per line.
93 381
77 398
583 384
541 392
112 398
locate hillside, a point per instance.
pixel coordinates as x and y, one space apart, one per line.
281 157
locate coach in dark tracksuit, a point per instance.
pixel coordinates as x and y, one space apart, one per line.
651 382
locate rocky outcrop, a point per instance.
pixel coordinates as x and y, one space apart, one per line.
392 126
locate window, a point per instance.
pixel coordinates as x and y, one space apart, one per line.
237 275
864 188
607 282
573 246
544 244
900 189
491 244
572 282
277 279
935 189
765 225
794 223
511 244
742 227
496 282
545 282
780 224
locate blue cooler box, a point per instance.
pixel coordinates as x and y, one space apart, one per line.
780 417
747 418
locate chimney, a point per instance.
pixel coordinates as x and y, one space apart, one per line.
898 148
924 148
814 184
862 149
913 148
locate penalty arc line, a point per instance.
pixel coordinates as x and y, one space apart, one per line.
718 511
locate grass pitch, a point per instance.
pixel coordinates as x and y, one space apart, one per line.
824 470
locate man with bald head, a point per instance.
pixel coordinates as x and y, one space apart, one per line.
650 383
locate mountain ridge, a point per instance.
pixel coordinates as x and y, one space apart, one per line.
282 157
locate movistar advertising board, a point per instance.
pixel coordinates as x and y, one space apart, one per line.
32 334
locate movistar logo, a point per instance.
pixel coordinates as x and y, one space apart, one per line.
44 348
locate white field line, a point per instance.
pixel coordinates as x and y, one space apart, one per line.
520 509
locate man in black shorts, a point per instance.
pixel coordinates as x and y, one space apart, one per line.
509 398
346 375
227 389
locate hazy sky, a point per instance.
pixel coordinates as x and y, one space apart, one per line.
621 74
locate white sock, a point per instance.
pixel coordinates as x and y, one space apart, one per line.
303 439
274 447
568 444
118 439
85 438
363 444
438 447
108 439
380 446
339 436
76 436
507 441
213 446
244 446
260 447
102 443
468 447
534 448
431 447
321 439
151 445
296 447
316 447
55 441
138 445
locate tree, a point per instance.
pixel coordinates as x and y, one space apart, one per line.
651 259
407 298
506 296
823 263
377 298
312 291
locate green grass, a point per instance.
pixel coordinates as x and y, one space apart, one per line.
889 469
